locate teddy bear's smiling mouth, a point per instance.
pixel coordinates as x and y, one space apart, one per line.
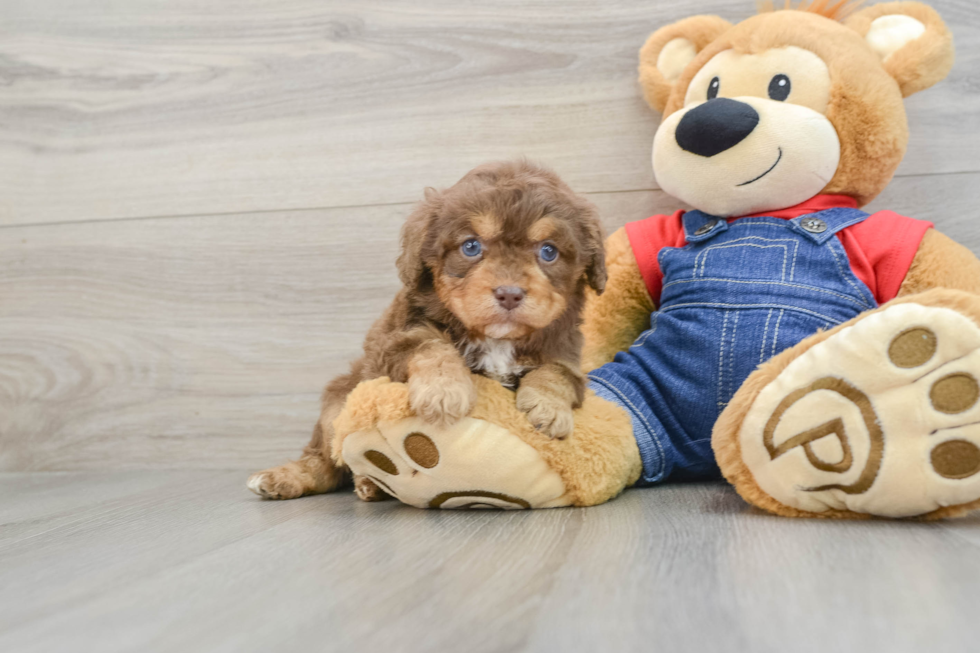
778 159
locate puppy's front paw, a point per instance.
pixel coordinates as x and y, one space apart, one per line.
550 415
441 399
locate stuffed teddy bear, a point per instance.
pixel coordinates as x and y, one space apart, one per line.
823 360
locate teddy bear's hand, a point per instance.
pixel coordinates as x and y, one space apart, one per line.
548 413
441 398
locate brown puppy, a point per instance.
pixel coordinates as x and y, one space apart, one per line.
494 272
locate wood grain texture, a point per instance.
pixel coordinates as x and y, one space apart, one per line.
139 108
199 210
204 342
190 561
200 342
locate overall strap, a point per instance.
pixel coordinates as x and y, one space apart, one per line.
822 226
699 226
818 227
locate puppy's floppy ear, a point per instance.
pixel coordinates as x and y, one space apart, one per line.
913 42
594 250
410 263
667 52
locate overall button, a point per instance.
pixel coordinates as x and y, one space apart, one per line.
814 225
708 226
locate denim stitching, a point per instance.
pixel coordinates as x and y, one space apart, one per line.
848 224
721 357
772 283
754 237
731 361
845 277
744 238
775 336
765 336
796 252
653 433
649 332
772 222
782 307
703 255
642 339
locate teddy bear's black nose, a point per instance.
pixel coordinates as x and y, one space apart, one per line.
715 126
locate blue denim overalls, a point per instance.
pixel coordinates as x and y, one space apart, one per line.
734 296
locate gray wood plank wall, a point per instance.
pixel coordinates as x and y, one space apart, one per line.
199 202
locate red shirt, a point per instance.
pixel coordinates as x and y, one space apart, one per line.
880 249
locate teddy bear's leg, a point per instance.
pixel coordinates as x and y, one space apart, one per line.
492 459
879 416
473 464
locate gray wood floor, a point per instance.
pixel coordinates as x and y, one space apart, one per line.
199 208
190 561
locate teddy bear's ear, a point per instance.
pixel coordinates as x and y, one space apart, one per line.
668 51
915 46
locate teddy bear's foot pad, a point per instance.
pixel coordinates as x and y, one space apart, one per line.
434 467
880 418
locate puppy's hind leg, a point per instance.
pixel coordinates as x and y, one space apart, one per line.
314 473
368 490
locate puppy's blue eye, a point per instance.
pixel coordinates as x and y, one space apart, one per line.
548 253
471 248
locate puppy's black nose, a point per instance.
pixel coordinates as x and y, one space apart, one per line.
510 297
715 126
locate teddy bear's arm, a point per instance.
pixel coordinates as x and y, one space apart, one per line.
614 319
941 262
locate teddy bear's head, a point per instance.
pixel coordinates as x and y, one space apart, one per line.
767 113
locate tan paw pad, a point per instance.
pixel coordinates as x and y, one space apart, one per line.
956 459
954 393
912 348
421 449
381 461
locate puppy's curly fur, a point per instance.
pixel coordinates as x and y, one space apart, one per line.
494 271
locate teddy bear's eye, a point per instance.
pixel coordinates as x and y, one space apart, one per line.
713 88
779 87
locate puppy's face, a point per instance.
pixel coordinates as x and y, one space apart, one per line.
508 250
505 276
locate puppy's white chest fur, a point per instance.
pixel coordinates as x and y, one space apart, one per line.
494 358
